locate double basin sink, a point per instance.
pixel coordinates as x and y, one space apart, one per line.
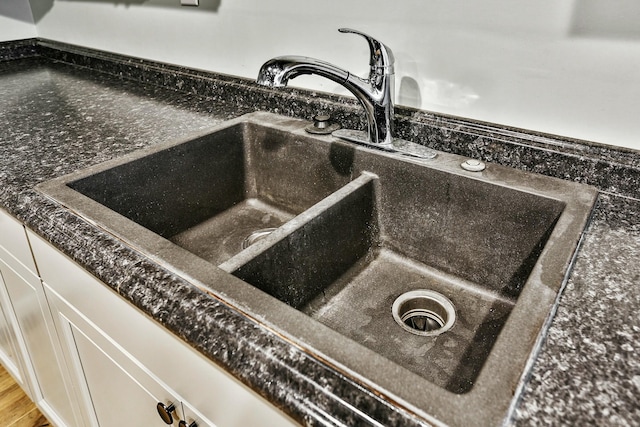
426 282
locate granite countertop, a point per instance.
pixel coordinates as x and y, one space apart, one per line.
56 118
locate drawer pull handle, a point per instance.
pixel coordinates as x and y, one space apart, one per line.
183 423
165 412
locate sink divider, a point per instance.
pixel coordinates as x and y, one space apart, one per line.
303 256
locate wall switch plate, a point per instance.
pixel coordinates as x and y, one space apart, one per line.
189 2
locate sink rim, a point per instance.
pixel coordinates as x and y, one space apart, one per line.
489 398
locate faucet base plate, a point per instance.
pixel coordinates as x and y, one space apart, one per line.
399 146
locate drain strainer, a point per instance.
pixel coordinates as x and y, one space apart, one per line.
424 312
256 236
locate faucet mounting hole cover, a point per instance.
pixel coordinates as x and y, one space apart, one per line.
424 312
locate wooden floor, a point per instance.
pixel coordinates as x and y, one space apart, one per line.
16 410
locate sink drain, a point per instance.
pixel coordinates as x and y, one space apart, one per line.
424 312
256 236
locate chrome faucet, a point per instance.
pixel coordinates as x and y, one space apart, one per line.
375 93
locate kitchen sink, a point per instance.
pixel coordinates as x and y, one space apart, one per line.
426 282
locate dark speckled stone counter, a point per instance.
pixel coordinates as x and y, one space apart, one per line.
63 108
588 370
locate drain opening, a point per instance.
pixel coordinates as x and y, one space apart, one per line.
423 320
256 236
424 312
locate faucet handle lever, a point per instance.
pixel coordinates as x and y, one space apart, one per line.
381 59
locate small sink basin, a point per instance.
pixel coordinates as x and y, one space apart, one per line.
212 192
426 282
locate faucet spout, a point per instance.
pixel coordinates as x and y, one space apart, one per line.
375 93
278 71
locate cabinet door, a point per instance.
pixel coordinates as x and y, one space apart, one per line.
37 343
10 356
49 386
116 387
118 398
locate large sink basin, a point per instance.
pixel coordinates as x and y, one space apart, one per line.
426 282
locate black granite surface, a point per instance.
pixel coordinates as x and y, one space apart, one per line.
18 49
56 118
588 371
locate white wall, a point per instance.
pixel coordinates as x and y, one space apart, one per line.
569 67
16 21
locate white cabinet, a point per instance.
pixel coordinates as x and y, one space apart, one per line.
125 363
12 347
117 390
11 354
28 324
